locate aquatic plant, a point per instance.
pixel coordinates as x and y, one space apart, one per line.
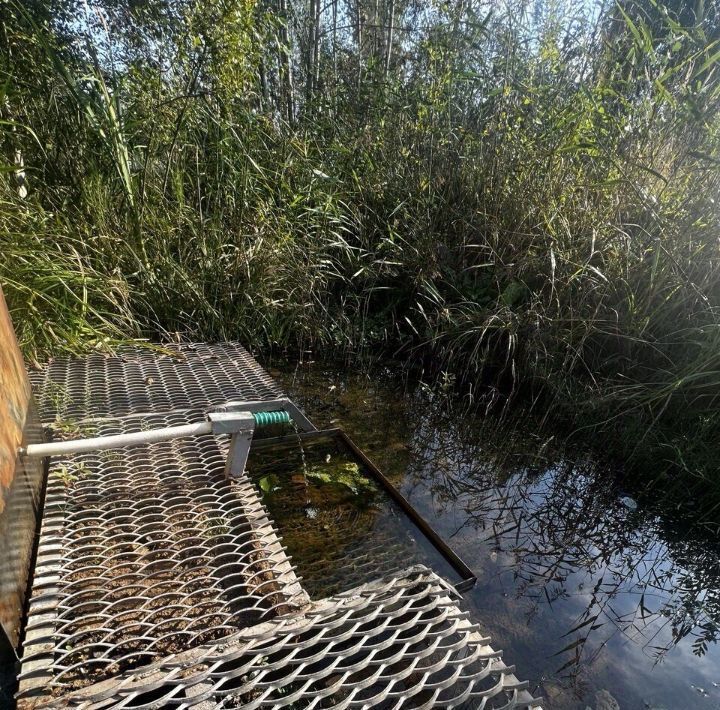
343 474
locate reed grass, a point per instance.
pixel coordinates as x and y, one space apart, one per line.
528 202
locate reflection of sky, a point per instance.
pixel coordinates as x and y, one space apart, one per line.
537 579
552 552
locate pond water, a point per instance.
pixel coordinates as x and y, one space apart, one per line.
598 595
338 524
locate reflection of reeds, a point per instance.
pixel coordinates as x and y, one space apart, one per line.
562 532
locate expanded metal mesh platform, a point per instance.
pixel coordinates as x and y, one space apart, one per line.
369 556
143 380
144 551
160 582
397 642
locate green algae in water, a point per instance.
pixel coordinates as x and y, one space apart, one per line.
345 474
269 484
333 518
342 474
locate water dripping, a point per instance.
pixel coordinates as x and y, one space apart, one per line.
310 511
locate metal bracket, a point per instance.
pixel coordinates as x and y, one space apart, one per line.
270 405
241 427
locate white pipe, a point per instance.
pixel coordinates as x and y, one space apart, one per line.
79 446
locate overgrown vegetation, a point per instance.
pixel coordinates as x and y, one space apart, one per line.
526 191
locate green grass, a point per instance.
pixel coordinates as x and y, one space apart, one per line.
530 203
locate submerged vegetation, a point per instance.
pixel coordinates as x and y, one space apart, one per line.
526 192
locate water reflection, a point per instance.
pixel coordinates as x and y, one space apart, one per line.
599 600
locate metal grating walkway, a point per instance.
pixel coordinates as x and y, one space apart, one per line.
153 381
400 641
161 583
145 551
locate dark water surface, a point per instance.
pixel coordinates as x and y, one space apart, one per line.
595 592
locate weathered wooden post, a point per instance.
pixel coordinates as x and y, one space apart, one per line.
20 481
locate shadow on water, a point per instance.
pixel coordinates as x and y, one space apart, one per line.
598 594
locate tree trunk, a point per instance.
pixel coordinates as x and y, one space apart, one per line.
391 28
359 39
313 50
286 64
316 47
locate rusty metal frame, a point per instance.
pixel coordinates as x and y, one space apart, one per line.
21 481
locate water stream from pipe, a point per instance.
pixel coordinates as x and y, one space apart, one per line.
309 510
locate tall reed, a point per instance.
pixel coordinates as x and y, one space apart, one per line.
529 200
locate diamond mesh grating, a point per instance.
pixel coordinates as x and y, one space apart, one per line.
399 642
159 583
145 551
378 554
374 549
140 380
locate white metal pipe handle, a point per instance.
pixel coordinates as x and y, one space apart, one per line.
79 446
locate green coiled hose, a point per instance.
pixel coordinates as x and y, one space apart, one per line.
266 418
